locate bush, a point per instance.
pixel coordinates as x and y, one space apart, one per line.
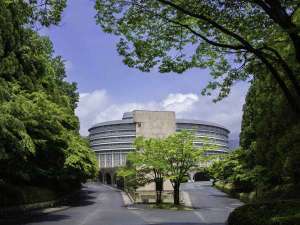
14 195
286 191
271 213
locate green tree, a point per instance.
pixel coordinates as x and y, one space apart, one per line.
39 132
181 156
150 153
132 177
229 37
270 133
234 169
147 162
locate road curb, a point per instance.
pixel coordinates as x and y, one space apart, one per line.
186 199
128 201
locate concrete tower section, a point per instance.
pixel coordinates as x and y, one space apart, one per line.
154 124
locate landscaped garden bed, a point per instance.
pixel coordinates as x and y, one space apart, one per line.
166 206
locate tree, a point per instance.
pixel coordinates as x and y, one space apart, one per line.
181 156
230 37
39 132
152 151
131 177
148 164
270 133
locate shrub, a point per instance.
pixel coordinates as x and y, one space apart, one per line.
14 195
271 213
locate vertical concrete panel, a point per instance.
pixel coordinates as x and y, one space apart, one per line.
154 124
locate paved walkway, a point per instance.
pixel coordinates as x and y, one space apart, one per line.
102 205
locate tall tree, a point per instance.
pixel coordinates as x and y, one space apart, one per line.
148 162
181 156
230 37
152 151
270 133
39 132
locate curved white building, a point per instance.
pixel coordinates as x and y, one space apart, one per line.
113 140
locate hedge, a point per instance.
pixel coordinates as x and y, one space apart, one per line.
13 195
229 189
270 213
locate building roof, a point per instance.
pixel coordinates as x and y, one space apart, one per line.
113 122
201 122
126 120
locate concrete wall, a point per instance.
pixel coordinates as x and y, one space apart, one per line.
154 124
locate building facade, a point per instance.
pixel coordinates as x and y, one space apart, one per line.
113 140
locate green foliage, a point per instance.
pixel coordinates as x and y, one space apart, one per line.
273 213
132 177
157 159
268 162
39 139
234 169
42 12
231 38
271 133
181 155
145 164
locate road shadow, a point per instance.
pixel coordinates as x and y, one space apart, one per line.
81 198
46 218
186 223
220 196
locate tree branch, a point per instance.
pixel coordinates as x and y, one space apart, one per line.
286 67
279 15
214 43
210 21
247 46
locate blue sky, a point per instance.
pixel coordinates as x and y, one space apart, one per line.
108 87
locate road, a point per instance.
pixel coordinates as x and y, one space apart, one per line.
103 205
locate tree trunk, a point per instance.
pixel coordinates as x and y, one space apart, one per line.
158 197
176 197
159 188
296 41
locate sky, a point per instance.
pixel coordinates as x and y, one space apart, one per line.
108 87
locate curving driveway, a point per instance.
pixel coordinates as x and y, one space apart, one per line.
103 205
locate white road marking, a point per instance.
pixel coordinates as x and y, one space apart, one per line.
199 215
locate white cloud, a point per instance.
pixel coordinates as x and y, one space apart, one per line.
98 106
180 102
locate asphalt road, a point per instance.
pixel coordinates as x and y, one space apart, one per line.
103 205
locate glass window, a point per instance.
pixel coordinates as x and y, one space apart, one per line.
108 160
102 161
117 158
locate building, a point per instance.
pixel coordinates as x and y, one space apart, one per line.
113 140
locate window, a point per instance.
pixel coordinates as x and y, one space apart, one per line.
117 159
108 160
102 161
